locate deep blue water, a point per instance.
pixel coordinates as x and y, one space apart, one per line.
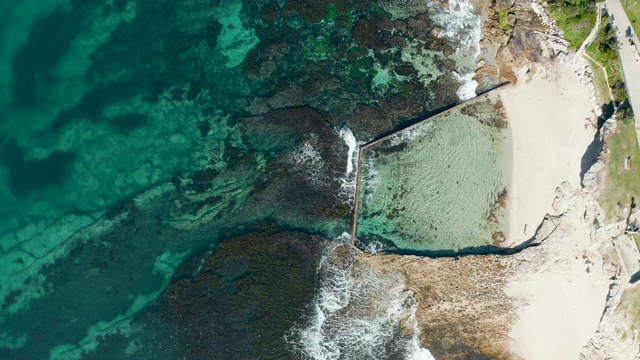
135 136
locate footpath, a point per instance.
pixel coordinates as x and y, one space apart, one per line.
628 57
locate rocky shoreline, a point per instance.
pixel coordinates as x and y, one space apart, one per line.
138 272
477 306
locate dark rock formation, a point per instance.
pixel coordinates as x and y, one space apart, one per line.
240 302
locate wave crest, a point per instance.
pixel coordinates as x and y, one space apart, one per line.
358 314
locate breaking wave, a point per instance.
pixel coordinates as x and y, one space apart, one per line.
308 158
461 23
347 135
358 314
372 247
467 90
346 192
370 177
407 135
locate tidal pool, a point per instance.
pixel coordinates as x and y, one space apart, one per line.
439 186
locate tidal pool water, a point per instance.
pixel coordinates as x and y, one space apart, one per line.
439 187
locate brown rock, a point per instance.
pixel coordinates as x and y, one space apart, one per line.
366 34
476 321
486 75
525 45
437 32
448 50
247 270
504 4
400 25
397 41
402 107
504 39
511 19
384 24
450 65
288 95
367 122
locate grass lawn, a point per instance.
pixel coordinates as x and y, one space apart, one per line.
630 309
620 184
633 12
599 82
608 57
576 26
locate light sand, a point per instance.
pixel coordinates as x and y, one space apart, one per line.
562 300
547 116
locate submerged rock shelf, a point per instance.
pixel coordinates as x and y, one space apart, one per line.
137 135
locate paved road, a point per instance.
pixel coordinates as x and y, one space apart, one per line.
630 66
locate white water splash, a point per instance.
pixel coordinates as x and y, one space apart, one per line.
308 158
407 135
344 238
370 177
467 90
358 314
346 192
462 25
347 135
372 247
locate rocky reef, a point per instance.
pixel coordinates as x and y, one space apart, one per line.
466 305
175 126
462 307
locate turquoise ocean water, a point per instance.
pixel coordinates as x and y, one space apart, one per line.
170 171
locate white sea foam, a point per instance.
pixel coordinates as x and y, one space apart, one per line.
358 314
344 238
468 88
463 25
372 247
347 135
370 176
308 158
347 190
407 135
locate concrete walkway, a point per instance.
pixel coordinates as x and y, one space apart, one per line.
630 65
628 254
594 32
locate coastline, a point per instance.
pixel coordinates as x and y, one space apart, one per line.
549 112
560 288
562 292
546 301
557 298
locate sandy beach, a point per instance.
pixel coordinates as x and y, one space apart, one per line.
549 112
546 301
561 294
